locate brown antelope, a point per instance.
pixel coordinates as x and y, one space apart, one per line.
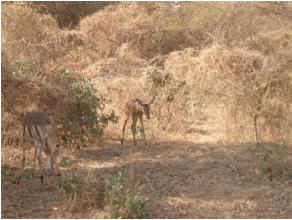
37 126
136 109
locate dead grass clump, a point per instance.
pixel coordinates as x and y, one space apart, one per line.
109 67
79 194
27 35
247 89
33 41
253 87
73 38
115 25
180 62
271 42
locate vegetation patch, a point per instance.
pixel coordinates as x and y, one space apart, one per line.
272 160
221 75
112 196
84 117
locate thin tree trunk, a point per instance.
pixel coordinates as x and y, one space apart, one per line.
256 128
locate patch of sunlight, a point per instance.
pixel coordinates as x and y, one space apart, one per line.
101 165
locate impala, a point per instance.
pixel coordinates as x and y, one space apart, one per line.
135 108
37 126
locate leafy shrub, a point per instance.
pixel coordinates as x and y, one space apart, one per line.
5 169
112 195
70 183
66 162
121 202
163 84
28 166
6 185
14 157
84 117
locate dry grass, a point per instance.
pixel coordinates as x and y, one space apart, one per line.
218 82
110 28
241 82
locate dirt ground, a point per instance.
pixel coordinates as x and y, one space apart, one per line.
193 180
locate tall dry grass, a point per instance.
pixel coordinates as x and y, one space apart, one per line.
115 25
27 36
254 87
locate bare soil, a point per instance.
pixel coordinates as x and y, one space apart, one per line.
192 181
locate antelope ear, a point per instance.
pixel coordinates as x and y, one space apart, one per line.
152 100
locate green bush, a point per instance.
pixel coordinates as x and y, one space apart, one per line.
84 118
70 183
14 157
5 169
163 84
112 195
66 162
123 203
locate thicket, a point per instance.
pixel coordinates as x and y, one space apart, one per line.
84 118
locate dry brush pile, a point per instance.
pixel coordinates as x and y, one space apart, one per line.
256 88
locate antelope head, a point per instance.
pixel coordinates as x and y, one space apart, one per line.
145 107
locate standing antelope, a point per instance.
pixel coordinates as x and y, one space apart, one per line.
136 109
37 126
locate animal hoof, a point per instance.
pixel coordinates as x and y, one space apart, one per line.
42 179
59 174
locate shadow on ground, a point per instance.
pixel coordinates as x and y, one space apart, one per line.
191 180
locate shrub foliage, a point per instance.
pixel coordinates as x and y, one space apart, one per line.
84 118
